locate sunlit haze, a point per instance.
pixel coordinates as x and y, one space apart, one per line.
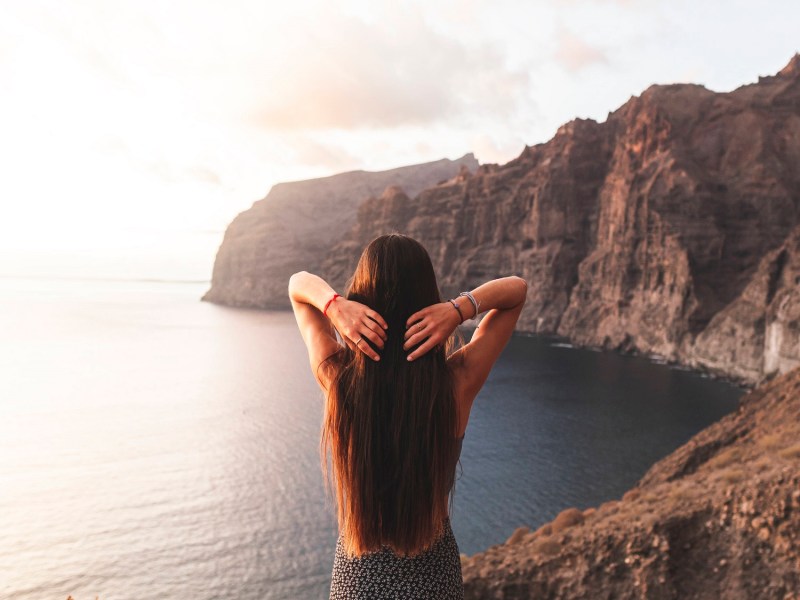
133 132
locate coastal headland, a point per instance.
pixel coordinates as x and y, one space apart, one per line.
671 229
719 518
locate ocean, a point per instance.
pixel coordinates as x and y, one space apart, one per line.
156 446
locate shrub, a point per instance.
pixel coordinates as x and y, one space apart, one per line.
518 535
726 457
611 507
791 452
771 441
547 546
733 475
545 529
567 518
677 493
631 495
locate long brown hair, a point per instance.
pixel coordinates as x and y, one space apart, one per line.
390 426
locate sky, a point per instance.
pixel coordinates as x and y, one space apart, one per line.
132 132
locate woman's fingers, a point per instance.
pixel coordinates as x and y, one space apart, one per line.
416 335
414 329
376 328
417 316
377 318
426 339
368 334
362 344
414 340
423 349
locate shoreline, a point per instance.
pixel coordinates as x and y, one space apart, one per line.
719 517
564 341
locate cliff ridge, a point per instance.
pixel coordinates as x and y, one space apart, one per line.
670 229
717 519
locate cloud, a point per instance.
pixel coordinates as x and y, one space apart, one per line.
625 3
310 152
394 71
488 150
172 173
574 54
169 171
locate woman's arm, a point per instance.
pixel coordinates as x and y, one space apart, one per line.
309 295
503 299
438 321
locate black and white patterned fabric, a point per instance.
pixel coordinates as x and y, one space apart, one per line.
384 575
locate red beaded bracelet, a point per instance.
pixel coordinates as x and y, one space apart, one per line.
328 303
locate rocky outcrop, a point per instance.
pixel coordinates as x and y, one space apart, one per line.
669 230
533 216
717 519
297 223
759 332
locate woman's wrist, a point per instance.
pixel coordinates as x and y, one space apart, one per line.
335 308
466 306
311 289
455 305
471 302
456 316
331 302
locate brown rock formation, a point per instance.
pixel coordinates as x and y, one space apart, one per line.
657 231
760 330
718 519
533 216
644 233
297 223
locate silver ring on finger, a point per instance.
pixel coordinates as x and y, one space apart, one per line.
361 339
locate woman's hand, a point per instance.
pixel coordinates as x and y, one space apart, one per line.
357 323
436 322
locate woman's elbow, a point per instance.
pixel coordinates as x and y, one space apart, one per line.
521 287
293 280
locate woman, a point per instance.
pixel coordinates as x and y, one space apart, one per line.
397 406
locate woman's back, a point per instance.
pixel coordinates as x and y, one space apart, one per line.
390 425
397 406
433 573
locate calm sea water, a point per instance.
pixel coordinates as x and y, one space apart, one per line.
154 446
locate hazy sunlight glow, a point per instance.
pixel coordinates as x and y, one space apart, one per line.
120 118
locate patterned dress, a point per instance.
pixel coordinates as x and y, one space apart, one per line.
383 575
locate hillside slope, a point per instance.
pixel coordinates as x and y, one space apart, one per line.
297 223
669 229
717 519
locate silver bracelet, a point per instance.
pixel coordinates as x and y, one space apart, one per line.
476 305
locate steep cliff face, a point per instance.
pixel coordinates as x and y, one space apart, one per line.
701 187
657 231
646 233
534 216
759 332
718 519
296 224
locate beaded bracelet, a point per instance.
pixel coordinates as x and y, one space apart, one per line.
475 304
460 314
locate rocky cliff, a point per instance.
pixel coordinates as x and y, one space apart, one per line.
296 225
717 519
669 229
